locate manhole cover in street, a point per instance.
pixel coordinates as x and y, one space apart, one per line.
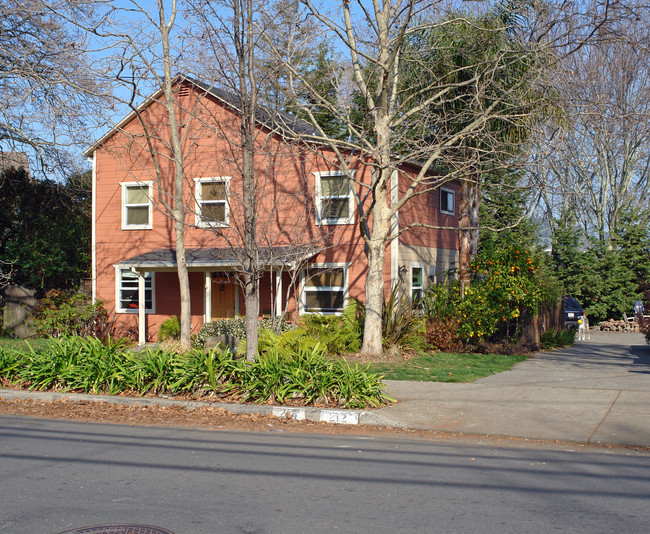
119 529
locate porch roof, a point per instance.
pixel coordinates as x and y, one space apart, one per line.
218 258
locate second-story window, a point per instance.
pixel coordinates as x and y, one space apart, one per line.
447 201
334 203
136 205
212 201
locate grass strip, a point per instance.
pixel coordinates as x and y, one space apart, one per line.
445 367
22 344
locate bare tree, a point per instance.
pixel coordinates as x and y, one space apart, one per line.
134 64
444 127
269 219
597 164
47 90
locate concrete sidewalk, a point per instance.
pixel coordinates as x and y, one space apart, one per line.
594 392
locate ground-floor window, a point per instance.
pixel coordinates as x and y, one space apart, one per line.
127 291
324 289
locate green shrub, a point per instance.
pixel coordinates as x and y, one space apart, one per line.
170 329
72 363
279 376
61 313
9 362
337 333
292 341
506 290
235 328
553 339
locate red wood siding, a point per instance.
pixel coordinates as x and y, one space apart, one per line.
287 180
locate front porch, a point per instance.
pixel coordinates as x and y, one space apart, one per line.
220 269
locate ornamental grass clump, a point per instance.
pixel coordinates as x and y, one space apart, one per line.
402 320
309 377
72 363
9 361
281 374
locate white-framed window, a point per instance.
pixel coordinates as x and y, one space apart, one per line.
127 291
136 205
324 288
212 201
447 201
417 283
334 202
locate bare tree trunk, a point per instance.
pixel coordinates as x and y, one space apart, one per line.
376 250
372 330
251 263
178 212
244 45
183 281
252 299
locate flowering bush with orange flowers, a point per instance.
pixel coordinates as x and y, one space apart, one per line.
506 290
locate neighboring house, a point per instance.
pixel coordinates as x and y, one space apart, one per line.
308 232
17 160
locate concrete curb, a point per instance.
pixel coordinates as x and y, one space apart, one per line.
344 417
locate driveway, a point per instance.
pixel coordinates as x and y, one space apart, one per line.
608 360
594 392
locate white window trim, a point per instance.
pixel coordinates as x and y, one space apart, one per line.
453 204
319 198
421 288
303 292
118 286
125 186
198 191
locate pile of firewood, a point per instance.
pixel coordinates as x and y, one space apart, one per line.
618 326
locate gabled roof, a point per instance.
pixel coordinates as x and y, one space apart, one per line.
284 124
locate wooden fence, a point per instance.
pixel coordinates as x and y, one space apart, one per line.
547 319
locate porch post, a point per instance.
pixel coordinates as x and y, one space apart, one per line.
208 298
278 293
142 316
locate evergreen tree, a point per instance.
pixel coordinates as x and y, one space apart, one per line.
606 279
503 218
633 240
45 229
320 73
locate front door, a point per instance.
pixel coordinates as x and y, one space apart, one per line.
223 299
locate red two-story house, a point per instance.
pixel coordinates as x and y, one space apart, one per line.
307 222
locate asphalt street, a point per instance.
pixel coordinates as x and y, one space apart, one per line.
61 475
